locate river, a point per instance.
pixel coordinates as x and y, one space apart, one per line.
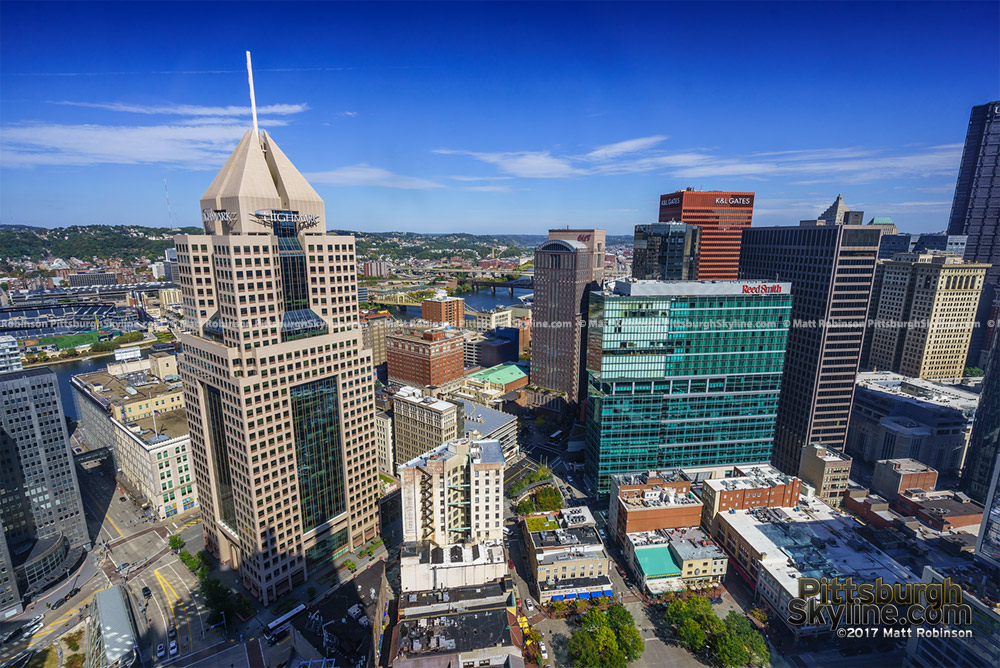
66 370
484 300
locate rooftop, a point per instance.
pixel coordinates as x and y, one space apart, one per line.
644 288
660 497
644 477
455 633
482 452
496 590
919 390
827 454
656 561
120 390
813 541
414 395
160 428
488 552
502 374
116 624
756 477
905 465
484 420
688 542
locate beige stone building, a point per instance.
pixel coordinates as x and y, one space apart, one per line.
421 423
277 384
926 310
454 493
566 555
827 470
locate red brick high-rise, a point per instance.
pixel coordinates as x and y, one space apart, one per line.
721 217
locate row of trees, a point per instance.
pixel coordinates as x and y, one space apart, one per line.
732 641
606 639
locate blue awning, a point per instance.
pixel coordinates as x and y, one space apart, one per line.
557 598
608 592
584 594
569 596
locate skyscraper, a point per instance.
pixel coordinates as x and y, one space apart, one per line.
567 267
683 373
830 268
721 218
277 385
975 212
41 512
984 443
926 307
665 252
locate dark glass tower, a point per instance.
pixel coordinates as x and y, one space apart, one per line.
984 443
665 252
975 212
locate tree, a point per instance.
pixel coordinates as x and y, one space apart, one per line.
217 599
690 635
583 651
619 617
175 542
594 619
311 592
630 642
728 649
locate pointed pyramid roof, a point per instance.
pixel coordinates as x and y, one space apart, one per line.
836 212
257 176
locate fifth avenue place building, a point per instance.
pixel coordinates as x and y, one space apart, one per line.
831 268
975 212
683 373
277 385
41 512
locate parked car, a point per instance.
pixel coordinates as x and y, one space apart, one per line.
161 651
171 632
511 563
173 647
121 498
58 602
545 652
73 592
146 593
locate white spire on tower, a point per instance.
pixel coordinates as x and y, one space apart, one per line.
253 101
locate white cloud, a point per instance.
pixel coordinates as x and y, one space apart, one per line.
198 146
189 109
524 164
349 114
615 150
366 175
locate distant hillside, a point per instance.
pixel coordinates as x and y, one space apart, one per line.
87 241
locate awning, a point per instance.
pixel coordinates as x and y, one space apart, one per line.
557 598
609 592
584 594
569 596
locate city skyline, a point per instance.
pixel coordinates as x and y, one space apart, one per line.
445 118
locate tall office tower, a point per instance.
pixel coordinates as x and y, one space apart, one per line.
10 354
277 385
665 252
975 212
683 373
873 305
41 511
450 310
567 267
170 265
422 423
454 493
984 443
830 268
838 214
926 307
721 217
949 243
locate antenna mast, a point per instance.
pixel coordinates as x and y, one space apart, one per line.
170 214
253 101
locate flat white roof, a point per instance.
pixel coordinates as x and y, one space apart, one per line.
645 288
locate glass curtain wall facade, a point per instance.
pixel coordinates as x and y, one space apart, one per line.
315 419
682 374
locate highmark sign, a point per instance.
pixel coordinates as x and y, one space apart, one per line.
274 216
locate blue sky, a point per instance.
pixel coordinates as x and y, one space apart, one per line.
502 117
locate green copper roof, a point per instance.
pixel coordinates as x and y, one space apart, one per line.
501 374
657 562
881 220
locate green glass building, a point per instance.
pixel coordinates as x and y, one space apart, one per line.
683 373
